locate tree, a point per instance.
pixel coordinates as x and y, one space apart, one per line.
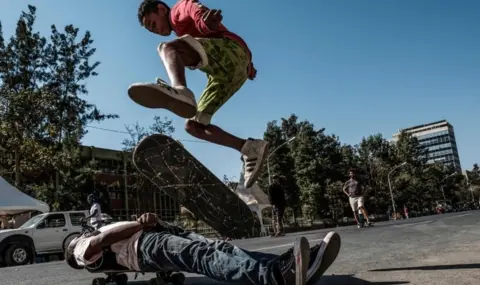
320 164
136 133
408 149
230 182
310 171
44 116
336 199
375 160
474 175
19 95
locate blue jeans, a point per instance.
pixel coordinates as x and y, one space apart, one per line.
179 250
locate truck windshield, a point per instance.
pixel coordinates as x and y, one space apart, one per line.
32 221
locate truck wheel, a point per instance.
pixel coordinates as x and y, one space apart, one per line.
17 254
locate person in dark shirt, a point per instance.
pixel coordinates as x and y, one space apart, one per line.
276 196
354 189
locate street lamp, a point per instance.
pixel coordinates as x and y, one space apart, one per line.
441 185
390 184
268 157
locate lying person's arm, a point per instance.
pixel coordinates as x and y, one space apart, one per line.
116 234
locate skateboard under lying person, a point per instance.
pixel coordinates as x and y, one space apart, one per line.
149 245
169 166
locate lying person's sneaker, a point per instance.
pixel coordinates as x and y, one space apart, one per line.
322 256
293 264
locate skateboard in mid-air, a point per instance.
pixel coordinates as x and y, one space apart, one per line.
168 165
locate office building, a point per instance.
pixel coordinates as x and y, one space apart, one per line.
439 140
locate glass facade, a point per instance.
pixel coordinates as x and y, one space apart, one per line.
441 147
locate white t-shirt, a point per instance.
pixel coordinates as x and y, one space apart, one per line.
125 250
98 216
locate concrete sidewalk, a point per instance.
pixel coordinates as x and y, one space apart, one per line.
440 250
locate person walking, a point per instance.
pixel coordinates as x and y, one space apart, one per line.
276 196
354 189
405 211
95 211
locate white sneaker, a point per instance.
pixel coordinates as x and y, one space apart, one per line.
322 256
178 99
293 264
301 251
254 154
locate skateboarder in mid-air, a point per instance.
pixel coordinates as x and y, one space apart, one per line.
150 245
203 43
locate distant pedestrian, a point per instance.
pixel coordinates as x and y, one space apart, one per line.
276 196
95 215
355 191
405 211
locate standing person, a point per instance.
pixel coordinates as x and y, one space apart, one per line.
203 43
354 189
276 197
389 212
95 211
405 211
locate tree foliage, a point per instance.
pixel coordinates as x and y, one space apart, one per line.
135 134
44 114
315 165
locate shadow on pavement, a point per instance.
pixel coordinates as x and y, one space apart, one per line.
325 280
432 267
350 280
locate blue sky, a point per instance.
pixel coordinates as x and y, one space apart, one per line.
353 67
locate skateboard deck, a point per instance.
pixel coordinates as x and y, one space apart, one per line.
168 165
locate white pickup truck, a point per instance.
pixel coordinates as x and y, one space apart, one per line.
45 234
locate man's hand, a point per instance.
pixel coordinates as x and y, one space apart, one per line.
213 18
148 219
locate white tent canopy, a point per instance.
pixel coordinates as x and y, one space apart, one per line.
254 197
14 201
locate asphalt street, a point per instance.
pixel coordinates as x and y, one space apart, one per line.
440 250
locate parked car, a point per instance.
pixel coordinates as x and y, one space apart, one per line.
43 235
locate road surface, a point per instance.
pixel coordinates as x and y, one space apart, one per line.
440 250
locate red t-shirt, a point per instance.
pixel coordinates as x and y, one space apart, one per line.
186 18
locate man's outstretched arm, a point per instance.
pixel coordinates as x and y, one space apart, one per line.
116 234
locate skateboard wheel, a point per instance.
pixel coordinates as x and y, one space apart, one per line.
121 279
165 276
178 279
99 281
156 281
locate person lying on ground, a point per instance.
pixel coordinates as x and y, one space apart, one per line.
150 245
